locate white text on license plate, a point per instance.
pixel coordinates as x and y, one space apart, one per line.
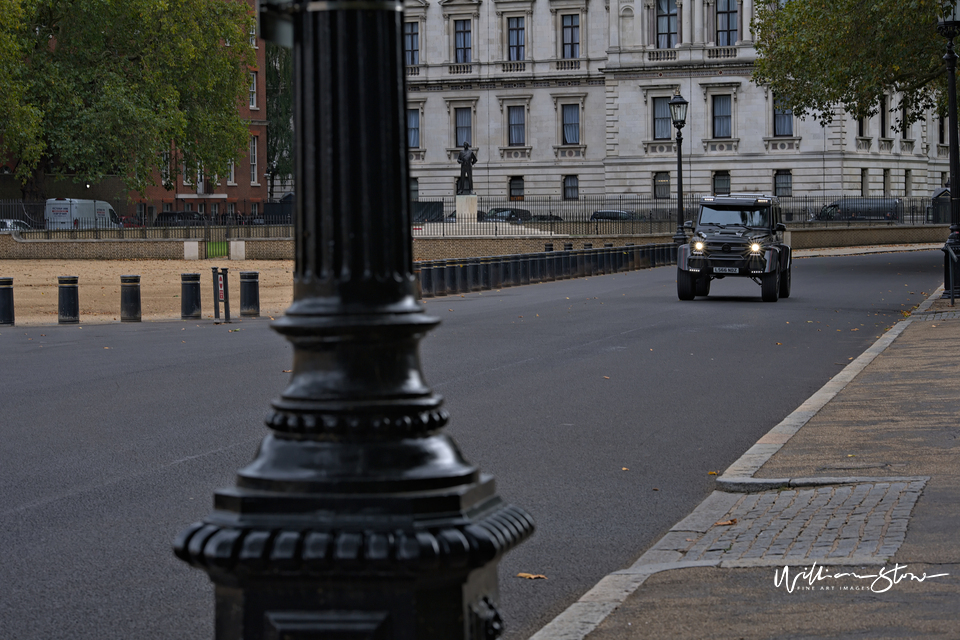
726 270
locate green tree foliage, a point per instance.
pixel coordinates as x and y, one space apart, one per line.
111 85
279 112
819 54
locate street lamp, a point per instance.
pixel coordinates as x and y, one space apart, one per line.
678 113
358 518
949 28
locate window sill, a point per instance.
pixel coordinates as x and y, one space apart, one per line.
417 154
721 145
569 150
515 152
452 153
666 146
782 143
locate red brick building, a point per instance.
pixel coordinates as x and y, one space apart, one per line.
238 196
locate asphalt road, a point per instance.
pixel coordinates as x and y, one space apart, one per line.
600 405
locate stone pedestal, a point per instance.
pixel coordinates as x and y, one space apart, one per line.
466 209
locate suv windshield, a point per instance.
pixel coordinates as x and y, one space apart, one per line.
740 216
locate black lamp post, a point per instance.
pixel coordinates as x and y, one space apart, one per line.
949 28
358 517
678 113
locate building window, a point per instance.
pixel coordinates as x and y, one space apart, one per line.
168 206
414 189
253 89
661 119
722 109
571 124
940 131
721 183
413 128
232 173
782 121
464 129
214 210
411 43
201 208
253 35
254 209
516 39
253 161
517 118
726 23
883 116
904 127
571 188
666 24
864 182
661 184
516 188
165 167
783 183
571 36
462 42
188 206
862 127
231 209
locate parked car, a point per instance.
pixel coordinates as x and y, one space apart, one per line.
13 225
179 219
863 208
614 214
131 222
505 214
549 217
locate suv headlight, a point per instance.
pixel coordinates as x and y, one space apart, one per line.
698 246
755 247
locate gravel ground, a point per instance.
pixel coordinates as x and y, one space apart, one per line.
35 287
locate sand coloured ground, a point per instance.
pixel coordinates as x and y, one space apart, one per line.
35 287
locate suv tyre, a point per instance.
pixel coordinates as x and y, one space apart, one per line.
785 283
686 285
770 286
703 286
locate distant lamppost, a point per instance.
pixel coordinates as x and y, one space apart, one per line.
678 113
949 28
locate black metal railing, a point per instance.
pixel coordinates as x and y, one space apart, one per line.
463 275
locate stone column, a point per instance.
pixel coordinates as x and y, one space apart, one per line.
685 37
746 12
698 22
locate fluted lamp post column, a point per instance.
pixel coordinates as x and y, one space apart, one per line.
949 28
678 114
358 518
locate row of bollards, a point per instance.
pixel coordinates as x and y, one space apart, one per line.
447 277
68 297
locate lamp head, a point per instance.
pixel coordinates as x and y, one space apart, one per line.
678 110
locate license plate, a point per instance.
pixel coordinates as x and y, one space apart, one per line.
726 270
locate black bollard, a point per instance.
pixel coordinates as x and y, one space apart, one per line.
524 260
249 294
129 298
496 272
473 274
486 273
359 517
189 296
68 300
6 302
440 277
426 279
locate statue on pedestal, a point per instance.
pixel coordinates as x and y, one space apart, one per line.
466 159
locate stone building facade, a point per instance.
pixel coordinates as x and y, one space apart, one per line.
568 98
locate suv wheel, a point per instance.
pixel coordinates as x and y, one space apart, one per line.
703 286
770 286
686 285
785 283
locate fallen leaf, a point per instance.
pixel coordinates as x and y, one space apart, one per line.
606 377
287 370
711 473
779 343
655 489
106 347
851 455
725 523
689 539
532 576
624 469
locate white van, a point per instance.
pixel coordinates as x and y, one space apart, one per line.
70 213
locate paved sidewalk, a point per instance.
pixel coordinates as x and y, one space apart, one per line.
825 527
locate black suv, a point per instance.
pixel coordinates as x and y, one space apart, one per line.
737 235
179 219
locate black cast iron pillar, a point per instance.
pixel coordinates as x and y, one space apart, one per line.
358 517
678 114
950 29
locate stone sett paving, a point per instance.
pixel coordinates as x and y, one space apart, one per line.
819 523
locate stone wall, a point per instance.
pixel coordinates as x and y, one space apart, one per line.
820 238
13 247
